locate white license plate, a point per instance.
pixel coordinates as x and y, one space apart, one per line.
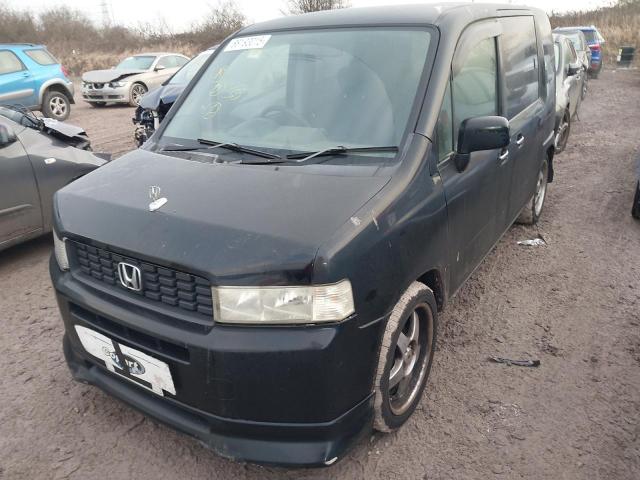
138 367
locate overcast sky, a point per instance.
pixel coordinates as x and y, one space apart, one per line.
179 14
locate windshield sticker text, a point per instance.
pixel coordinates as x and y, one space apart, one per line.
247 43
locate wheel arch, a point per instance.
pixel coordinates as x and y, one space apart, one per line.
434 280
55 85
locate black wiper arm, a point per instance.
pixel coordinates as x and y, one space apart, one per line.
210 145
339 150
182 148
238 148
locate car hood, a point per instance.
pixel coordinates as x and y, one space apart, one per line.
235 224
166 94
111 75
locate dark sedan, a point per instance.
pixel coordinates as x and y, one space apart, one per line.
37 157
156 104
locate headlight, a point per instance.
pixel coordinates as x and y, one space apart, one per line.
117 84
285 305
60 251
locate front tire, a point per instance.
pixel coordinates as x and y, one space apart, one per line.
533 209
136 93
406 355
56 105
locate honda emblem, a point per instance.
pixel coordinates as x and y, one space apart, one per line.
130 276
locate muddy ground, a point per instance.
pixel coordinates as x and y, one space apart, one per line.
573 304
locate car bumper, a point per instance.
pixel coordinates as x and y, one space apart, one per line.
279 424
106 94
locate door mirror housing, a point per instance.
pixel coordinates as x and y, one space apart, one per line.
159 68
480 133
7 136
574 69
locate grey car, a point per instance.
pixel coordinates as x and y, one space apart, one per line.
570 78
130 79
37 157
581 46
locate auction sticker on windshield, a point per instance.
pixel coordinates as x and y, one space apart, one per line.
247 43
132 364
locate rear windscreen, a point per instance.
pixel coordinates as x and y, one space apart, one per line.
41 56
590 36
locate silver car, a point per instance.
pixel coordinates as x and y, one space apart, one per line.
130 79
38 156
570 78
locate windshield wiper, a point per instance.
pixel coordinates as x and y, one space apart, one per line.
339 150
210 145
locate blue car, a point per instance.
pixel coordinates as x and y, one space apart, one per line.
595 42
31 77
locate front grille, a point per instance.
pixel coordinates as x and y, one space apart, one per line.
169 287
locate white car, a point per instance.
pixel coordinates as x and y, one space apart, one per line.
130 79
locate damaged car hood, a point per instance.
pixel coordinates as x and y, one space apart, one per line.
235 224
166 94
106 76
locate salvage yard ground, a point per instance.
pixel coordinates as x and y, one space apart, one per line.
574 304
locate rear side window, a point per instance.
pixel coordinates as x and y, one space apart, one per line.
475 84
41 56
9 63
520 54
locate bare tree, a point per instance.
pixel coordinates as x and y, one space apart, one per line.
306 6
223 20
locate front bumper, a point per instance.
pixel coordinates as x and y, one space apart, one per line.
283 395
106 94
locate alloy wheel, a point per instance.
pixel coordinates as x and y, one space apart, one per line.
541 190
137 91
58 106
411 354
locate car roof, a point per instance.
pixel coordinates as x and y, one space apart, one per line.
414 14
568 30
156 54
21 45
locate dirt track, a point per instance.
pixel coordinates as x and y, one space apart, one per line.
574 304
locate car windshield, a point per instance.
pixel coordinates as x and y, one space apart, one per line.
186 73
141 62
307 90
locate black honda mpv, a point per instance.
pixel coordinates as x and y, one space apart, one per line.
266 273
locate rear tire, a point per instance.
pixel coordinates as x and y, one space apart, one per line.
635 210
56 105
406 355
530 214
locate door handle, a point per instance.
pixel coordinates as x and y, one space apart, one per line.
520 140
504 155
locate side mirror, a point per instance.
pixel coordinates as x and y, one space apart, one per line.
7 136
480 133
573 70
159 68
